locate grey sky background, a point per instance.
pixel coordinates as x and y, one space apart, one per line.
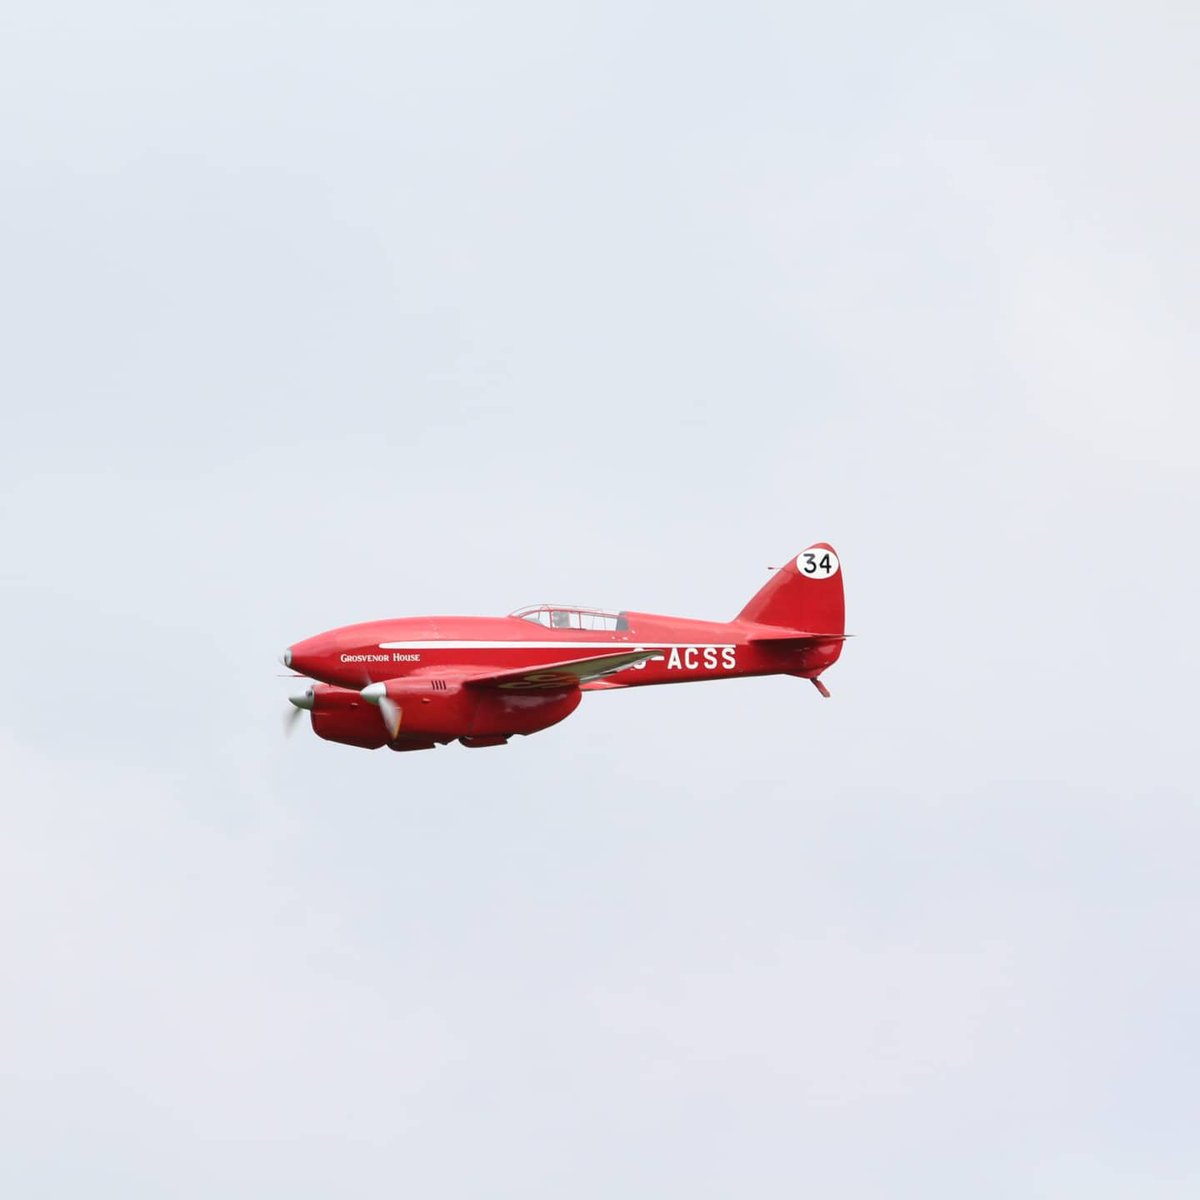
322 313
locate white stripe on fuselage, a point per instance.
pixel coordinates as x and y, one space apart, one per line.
615 647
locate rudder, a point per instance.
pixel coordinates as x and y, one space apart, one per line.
804 595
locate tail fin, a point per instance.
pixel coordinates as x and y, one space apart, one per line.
804 595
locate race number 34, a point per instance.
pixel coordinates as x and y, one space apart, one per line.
817 563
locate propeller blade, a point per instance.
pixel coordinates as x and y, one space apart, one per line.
390 711
300 702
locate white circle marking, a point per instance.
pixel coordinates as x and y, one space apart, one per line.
817 563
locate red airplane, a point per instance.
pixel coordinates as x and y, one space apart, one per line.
415 682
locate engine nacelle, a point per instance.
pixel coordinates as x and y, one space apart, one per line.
444 709
341 715
435 710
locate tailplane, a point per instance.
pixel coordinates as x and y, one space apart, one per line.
804 596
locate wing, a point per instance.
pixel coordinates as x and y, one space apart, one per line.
573 672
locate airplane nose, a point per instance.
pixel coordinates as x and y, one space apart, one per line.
318 657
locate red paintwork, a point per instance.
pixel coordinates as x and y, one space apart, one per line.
794 625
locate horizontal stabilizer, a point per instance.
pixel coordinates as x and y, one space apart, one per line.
796 640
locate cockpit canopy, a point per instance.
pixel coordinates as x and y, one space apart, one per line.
565 616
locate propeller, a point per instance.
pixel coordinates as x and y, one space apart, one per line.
301 702
389 710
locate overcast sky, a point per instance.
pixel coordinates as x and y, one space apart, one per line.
315 314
